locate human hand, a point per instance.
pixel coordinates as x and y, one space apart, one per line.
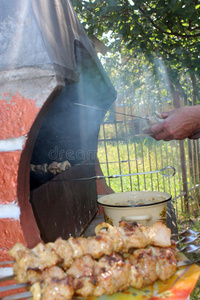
177 124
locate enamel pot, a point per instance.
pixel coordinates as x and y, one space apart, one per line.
143 207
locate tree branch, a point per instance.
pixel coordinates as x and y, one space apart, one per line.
166 32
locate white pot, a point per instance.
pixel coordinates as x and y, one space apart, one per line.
143 207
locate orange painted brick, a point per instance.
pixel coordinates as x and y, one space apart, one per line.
16 115
11 233
9 162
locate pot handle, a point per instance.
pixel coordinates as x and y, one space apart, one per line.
136 218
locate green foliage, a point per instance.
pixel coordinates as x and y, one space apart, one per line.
148 31
196 293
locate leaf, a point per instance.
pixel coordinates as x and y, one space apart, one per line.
112 2
176 5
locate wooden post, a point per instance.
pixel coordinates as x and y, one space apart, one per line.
183 163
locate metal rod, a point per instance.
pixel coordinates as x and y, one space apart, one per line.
105 110
128 153
183 161
12 287
110 162
25 295
120 175
118 153
7 278
187 263
6 262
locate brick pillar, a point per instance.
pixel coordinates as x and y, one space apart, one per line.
23 104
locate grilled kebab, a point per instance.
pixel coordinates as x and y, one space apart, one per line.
113 260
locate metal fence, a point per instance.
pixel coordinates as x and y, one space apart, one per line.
124 149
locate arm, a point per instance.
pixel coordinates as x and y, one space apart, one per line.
178 124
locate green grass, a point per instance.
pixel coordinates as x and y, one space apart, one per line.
196 292
144 156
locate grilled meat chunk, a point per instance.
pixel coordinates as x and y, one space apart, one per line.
63 250
154 263
134 236
84 286
54 284
159 235
166 263
57 289
113 280
31 262
145 264
82 267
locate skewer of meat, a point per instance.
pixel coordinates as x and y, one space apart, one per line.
91 266
108 275
108 239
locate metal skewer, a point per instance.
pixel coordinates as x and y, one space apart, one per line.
12 287
97 177
187 232
6 262
111 162
25 295
189 248
188 239
116 112
187 263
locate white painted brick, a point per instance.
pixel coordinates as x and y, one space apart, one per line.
11 211
12 144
